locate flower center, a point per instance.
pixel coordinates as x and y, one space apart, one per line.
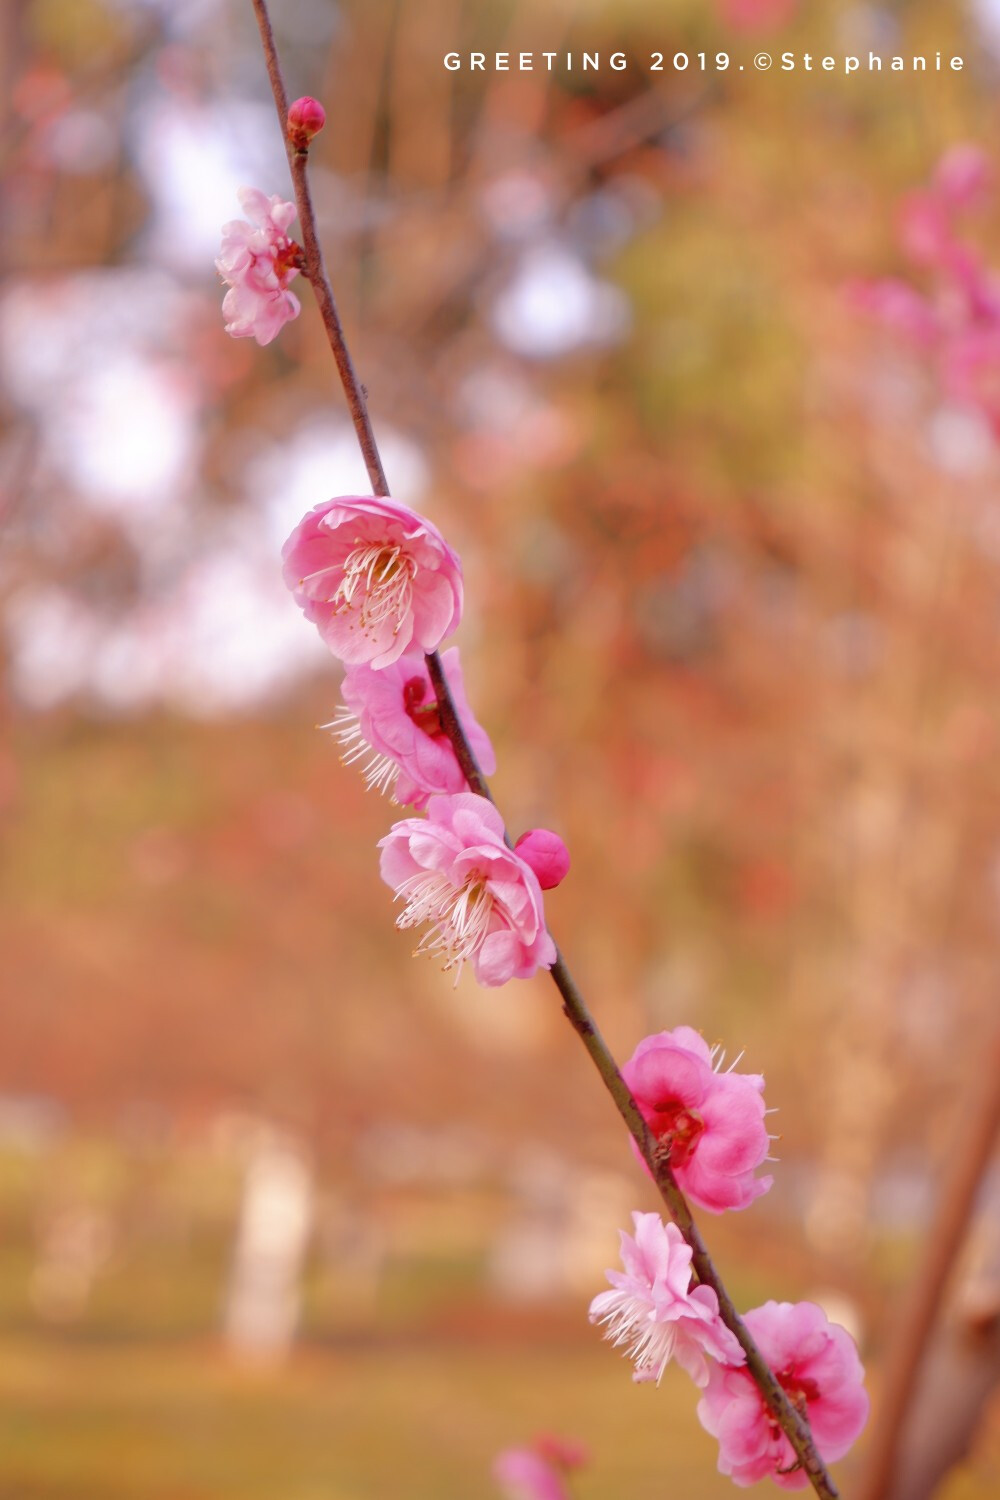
378 582
800 1390
677 1129
426 716
459 916
286 261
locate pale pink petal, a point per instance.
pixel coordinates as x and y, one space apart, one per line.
257 261
474 897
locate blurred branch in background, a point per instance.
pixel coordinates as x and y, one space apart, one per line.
934 1393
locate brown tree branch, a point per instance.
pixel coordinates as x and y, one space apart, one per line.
574 1006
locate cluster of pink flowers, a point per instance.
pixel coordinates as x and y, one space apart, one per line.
709 1125
383 587
954 319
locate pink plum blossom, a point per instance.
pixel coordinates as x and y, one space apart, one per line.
655 1313
537 1473
377 579
257 262
391 718
523 1474
479 899
547 855
711 1123
817 1365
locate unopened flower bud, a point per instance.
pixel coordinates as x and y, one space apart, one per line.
306 118
546 854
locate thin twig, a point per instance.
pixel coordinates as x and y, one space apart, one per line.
315 270
574 1006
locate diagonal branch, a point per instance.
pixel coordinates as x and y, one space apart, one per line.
792 1424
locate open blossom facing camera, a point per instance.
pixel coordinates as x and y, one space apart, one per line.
818 1368
477 898
711 1123
653 1311
257 261
377 579
391 722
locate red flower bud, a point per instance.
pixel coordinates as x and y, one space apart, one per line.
306 118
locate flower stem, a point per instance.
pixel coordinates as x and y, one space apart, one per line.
574 1006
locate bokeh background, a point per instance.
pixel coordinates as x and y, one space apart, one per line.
282 1213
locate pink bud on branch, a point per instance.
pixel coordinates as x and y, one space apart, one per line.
306 118
547 855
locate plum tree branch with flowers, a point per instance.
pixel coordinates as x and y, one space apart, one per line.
782 1389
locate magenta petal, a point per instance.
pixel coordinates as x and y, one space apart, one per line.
667 1074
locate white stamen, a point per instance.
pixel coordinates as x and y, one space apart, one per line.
378 582
717 1056
380 771
459 916
633 1323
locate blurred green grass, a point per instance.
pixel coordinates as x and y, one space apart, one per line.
364 1424
136 1397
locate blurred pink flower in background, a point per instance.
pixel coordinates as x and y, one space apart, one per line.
523 1474
480 900
956 320
538 1472
756 15
817 1365
391 716
257 262
963 175
712 1122
653 1310
375 578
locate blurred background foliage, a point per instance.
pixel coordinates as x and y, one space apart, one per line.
733 562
